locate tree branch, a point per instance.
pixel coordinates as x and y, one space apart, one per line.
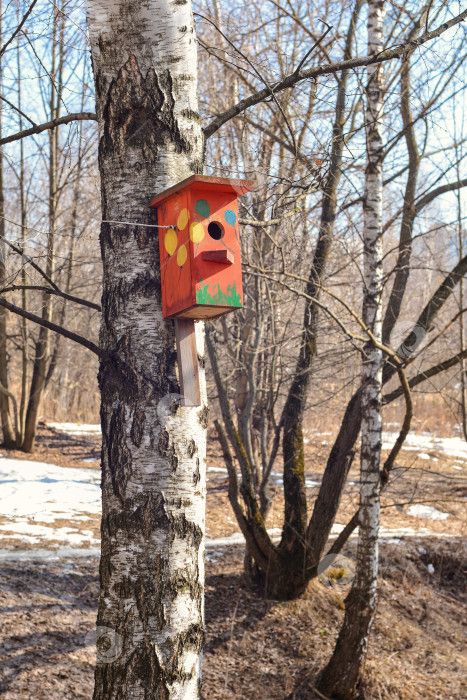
18 28
255 223
38 128
292 79
49 290
262 548
427 374
438 299
269 88
55 289
404 431
17 109
430 196
233 482
52 327
389 463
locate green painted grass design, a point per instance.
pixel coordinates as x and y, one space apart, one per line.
218 297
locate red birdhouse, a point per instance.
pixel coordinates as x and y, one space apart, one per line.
200 248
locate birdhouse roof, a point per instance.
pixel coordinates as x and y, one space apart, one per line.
206 182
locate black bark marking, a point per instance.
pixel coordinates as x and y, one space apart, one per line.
148 670
166 449
203 416
139 115
181 583
181 526
192 448
153 514
118 453
145 516
148 596
164 442
190 114
137 427
142 236
196 473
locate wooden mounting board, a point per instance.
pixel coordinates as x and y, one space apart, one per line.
187 357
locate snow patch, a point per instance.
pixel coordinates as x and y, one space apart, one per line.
47 555
77 428
429 512
237 538
451 447
47 493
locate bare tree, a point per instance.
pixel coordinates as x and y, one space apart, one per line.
341 674
252 426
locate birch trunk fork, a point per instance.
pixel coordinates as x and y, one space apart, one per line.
341 675
150 620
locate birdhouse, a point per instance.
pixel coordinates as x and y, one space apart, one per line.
199 245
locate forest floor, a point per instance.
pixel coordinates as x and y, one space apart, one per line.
255 648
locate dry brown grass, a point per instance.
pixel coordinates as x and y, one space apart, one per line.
261 649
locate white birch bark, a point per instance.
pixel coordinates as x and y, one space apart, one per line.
153 456
341 676
369 515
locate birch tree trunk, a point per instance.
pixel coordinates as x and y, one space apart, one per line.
341 675
150 620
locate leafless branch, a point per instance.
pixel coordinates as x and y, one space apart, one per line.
54 288
404 431
389 463
269 88
49 290
286 215
427 374
18 28
52 327
293 78
38 128
17 109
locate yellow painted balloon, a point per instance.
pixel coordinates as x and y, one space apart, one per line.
183 219
182 255
171 241
197 232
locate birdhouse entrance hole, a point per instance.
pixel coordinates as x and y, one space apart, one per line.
216 230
